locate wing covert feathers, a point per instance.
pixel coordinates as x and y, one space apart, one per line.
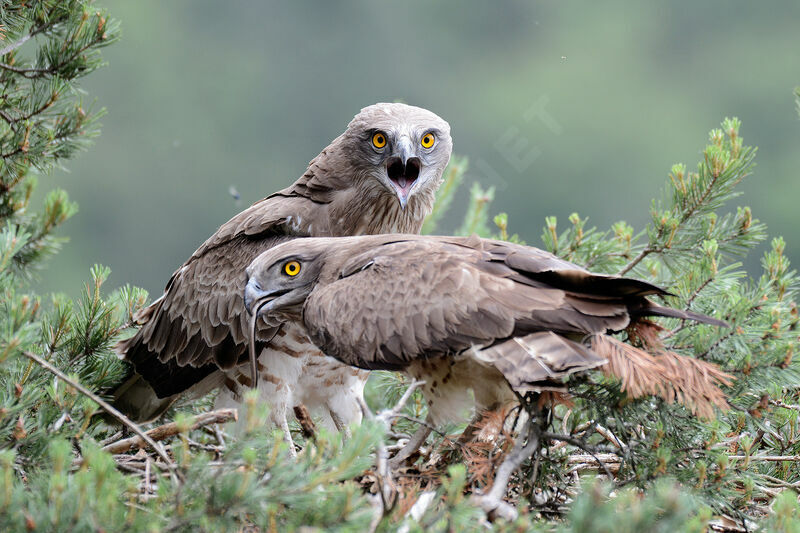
199 324
388 302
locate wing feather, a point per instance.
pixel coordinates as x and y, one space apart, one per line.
199 321
406 299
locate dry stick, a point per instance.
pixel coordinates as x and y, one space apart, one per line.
106 407
771 458
170 429
147 476
492 503
609 462
594 451
383 474
414 443
610 437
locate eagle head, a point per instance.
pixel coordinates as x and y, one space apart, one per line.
399 149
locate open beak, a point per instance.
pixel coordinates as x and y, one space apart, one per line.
403 171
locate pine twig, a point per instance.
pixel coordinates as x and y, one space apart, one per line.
594 451
168 430
768 458
383 474
638 259
609 462
394 412
492 502
579 443
610 437
106 407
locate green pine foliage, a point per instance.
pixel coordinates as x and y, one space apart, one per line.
692 247
670 471
452 179
46 48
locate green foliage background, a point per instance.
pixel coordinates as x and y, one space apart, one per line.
55 477
202 97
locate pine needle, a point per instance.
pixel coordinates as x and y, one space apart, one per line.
673 377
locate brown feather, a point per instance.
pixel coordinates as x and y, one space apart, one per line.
395 302
538 361
200 320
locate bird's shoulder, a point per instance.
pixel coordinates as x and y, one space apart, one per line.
201 307
281 213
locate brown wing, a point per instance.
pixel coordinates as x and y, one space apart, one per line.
414 298
199 324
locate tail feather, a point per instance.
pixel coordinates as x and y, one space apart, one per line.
540 361
657 310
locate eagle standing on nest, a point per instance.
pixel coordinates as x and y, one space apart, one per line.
379 176
462 314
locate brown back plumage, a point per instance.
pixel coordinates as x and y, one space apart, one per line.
385 302
199 325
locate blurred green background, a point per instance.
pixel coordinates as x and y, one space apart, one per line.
563 106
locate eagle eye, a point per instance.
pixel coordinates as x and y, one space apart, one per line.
427 140
379 140
292 268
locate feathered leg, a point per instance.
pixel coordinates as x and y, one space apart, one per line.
331 389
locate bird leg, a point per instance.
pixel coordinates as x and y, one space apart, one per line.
492 502
337 420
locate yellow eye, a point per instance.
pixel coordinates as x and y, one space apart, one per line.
427 140
292 268
379 140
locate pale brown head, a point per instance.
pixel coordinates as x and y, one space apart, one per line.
397 149
280 279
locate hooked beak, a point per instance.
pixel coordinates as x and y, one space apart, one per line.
403 171
256 300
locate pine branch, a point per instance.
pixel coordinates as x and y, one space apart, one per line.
453 176
124 420
172 428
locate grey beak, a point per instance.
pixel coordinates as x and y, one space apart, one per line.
252 292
